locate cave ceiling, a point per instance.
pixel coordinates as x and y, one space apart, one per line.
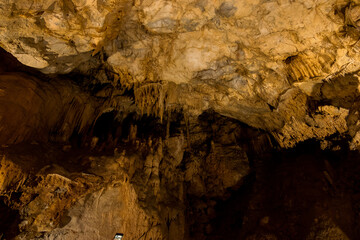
179 119
287 67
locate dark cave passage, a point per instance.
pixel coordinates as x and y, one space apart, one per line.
9 220
106 127
180 120
288 194
295 194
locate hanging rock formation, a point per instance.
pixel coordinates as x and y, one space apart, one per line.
243 59
144 116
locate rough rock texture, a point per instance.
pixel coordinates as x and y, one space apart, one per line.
142 116
33 109
256 61
142 188
93 199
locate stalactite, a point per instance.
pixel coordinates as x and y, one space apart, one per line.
186 118
168 124
151 99
132 134
306 66
122 79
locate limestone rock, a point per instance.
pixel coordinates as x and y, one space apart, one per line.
238 58
102 214
324 228
32 109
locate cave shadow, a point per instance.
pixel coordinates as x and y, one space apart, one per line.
229 219
106 127
9 221
290 191
113 128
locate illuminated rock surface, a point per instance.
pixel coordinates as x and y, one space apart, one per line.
145 116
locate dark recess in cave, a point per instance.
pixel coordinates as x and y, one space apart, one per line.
9 220
106 127
289 190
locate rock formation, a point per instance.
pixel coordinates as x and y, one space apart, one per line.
144 117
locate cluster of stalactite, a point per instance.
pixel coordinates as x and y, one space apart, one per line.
151 98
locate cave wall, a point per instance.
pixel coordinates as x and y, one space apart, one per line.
142 116
150 187
33 110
